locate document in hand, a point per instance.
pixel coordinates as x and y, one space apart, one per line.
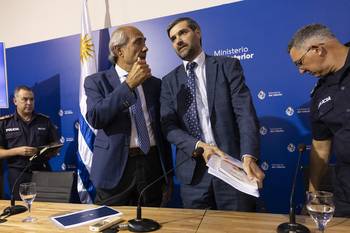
85 216
230 170
46 150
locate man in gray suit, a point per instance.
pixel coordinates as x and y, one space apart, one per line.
205 103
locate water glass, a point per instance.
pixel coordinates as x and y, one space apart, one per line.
320 207
27 191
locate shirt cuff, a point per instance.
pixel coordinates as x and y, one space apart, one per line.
197 144
250 156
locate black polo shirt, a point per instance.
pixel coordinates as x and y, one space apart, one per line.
15 132
330 111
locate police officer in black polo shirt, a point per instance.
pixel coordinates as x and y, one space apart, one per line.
21 134
315 50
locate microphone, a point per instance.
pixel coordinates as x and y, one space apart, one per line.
292 226
140 224
17 209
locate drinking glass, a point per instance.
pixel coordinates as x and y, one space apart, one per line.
27 191
320 207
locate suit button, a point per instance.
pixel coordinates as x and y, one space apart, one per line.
342 88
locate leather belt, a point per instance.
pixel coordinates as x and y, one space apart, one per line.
135 151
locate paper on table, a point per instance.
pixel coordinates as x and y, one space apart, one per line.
230 170
85 216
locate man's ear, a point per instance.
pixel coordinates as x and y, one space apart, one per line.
198 32
321 50
117 51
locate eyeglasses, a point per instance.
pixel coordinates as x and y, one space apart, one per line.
300 61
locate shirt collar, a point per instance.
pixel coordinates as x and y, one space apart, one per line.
18 117
200 59
121 72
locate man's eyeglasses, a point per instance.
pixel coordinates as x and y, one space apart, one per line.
300 61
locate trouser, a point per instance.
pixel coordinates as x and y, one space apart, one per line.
342 190
209 192
140 171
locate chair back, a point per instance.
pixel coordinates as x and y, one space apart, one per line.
54 186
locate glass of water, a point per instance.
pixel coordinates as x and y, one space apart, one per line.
320 206
27 191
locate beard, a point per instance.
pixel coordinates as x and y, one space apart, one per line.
187 54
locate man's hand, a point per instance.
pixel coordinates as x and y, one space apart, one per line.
25 151
252 169
210 150
139 72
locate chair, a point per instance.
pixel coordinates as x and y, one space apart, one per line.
54 186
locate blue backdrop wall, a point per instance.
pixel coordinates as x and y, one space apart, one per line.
255 31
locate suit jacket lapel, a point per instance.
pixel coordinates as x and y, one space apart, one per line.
211 75
182 76
113 78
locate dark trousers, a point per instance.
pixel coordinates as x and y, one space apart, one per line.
209 192
342 190
140 171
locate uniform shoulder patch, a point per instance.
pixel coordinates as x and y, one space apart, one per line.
43 115
6 117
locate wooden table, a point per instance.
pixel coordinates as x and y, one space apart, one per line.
172 220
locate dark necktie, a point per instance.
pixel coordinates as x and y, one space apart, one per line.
140 123
191 114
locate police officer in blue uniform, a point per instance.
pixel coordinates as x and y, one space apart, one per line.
20 136
315 50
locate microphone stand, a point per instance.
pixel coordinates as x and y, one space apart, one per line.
292 226
140 224
17 209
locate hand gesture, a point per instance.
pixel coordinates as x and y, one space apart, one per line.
139 72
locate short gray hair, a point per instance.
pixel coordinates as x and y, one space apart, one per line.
22 87
119 38
318 31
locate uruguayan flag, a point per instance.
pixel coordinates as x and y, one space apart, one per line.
86 133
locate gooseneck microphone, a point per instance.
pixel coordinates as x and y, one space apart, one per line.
140 224
17 209
292 226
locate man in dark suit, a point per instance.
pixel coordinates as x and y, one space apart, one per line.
123 104
205 103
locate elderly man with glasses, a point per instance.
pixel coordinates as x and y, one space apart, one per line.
315 50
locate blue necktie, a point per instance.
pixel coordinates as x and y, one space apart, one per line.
191 114
140 122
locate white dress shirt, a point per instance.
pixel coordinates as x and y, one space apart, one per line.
134 139
202 98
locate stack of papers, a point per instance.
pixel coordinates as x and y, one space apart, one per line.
230 170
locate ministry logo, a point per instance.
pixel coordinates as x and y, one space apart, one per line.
263 130
289 111
261 95
62 139
264 166
291 147
60 112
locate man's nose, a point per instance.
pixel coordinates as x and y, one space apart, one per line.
145 48
301 71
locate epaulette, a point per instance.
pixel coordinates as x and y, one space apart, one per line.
6 117
43 115
317 85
